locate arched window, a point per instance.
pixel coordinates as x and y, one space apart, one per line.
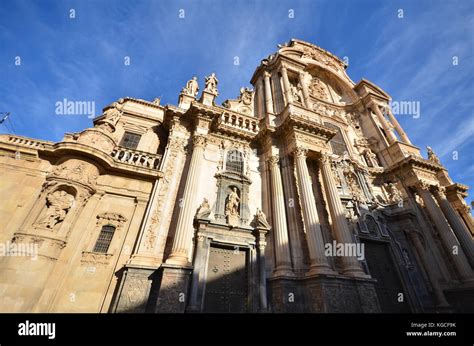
338 145
235 162
105 238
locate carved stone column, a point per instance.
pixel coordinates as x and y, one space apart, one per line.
286 85
282 245
447 236
304 86
460 230
388 131
319 262
398 128
415 238
339 223
260 234
182 241
268 92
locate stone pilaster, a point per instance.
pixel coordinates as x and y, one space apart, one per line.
282 245
319 262
182 242
268 93
293 215
460 230
341 230
415 238
260 234
286 85
398 128
445 232
388 131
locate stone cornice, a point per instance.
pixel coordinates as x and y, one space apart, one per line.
293 118
413 161
59 149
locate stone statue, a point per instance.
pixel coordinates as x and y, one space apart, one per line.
261 219
372 157
58 204
295 91
432 156
191 87
204 210
394 195
211 84
232 206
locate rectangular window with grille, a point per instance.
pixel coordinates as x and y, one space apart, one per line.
130 140
105 238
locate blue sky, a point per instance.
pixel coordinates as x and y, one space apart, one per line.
83 58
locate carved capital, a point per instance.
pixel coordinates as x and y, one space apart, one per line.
441 191
422 186
273 160
300 152
325 159
199 140
177 144
266 74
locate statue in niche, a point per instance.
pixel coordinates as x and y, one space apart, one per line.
232 206
261 220
432 156
211 84
58 205
371 158
204 210
191 87
296 92
394 195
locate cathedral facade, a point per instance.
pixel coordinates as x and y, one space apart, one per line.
304 194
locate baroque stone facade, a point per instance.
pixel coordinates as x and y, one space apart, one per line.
206 208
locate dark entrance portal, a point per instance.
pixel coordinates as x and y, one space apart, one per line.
388 286
227 280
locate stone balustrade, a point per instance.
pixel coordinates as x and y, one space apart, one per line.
25 142
136 157
240 122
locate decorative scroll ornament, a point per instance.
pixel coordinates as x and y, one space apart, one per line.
318 90
261 220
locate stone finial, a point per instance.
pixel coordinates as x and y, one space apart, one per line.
432 156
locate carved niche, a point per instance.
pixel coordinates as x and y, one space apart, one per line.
58 204
233 188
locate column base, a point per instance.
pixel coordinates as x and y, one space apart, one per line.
283 271
178 260
135 285
319 270
174 287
